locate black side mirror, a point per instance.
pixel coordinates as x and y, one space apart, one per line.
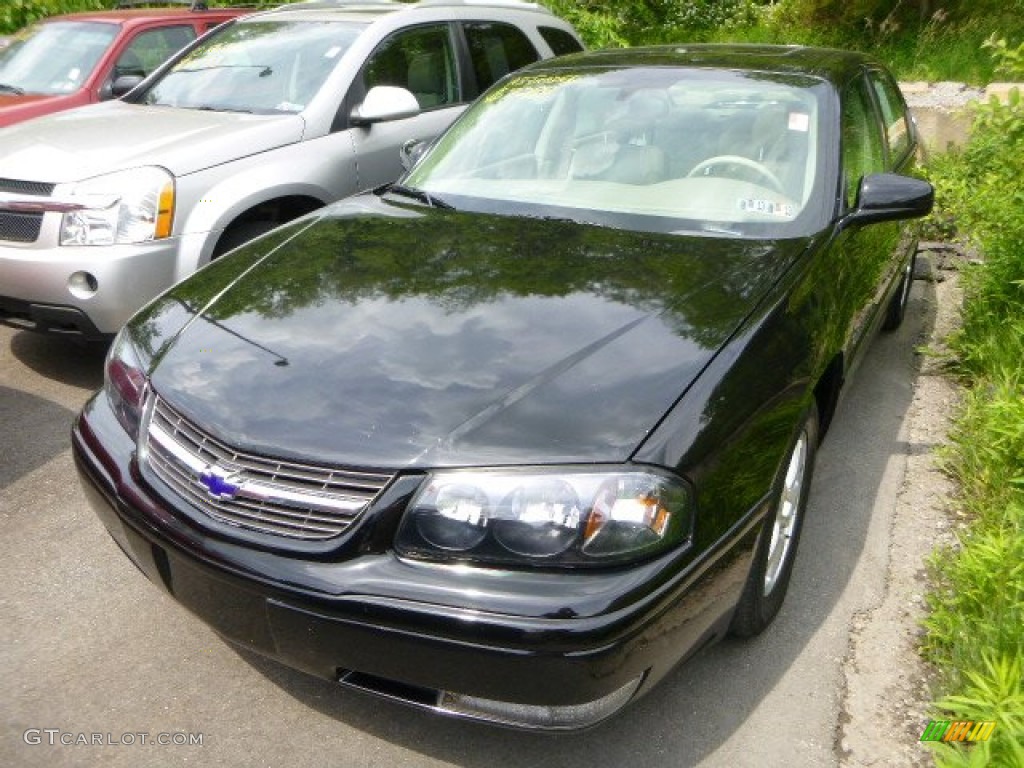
123 84
891 197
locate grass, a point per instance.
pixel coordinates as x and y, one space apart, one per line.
975 626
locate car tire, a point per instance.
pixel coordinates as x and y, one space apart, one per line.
776 548
897 308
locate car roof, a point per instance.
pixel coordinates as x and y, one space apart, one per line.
370 9
132 16
829 64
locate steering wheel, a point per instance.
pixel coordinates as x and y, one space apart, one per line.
746 162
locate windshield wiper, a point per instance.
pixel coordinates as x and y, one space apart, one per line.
265 69
212 108
6 88
418 194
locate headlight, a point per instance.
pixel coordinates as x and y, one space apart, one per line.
125 383
561 516
125 207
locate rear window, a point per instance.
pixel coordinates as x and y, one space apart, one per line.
560 41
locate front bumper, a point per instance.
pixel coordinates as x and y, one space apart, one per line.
35 292
467 642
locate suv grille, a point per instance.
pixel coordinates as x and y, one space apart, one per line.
281 498
20 227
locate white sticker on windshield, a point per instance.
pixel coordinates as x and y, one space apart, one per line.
767 207
799 121
332 52
74 74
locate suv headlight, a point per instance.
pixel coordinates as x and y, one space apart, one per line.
560 516
125 207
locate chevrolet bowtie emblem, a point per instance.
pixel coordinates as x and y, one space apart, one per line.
219 482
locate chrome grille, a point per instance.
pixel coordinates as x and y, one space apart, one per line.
20 187
20 227
277 497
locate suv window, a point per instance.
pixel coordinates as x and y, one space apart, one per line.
862 138
497 49
560 41
152 48
894 115
420 60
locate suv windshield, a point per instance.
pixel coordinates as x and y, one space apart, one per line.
649 149
264 67
53 58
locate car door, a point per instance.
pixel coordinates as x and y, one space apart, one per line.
864 255
422 60
145 51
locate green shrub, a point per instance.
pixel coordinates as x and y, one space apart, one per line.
16 14
975 626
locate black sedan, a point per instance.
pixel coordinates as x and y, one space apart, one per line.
512 437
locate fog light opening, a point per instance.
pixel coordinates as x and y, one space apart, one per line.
561 717
83 285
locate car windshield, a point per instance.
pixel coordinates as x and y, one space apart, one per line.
647 148
53 58
264 67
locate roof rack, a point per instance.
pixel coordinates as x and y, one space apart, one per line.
522 4
342 3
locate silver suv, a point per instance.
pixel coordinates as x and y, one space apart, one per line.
264 119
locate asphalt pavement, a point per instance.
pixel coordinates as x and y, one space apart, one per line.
100 668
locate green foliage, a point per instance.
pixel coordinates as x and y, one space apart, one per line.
1011 60
16 14
975 628
992 694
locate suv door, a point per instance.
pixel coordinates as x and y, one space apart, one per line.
422 60
495 49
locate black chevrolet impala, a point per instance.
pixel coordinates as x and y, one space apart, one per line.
512 437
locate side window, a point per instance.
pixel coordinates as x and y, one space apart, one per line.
152 48
560 41
894 115
862 138
497 49
420 60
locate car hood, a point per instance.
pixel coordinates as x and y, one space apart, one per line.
14 107
102 138
390 337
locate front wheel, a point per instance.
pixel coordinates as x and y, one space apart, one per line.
897 308
776 549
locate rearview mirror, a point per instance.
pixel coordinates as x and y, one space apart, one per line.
384 103
890 197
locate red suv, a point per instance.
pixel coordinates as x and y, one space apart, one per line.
71 60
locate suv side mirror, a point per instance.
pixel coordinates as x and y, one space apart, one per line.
384 103
889 197
123 84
